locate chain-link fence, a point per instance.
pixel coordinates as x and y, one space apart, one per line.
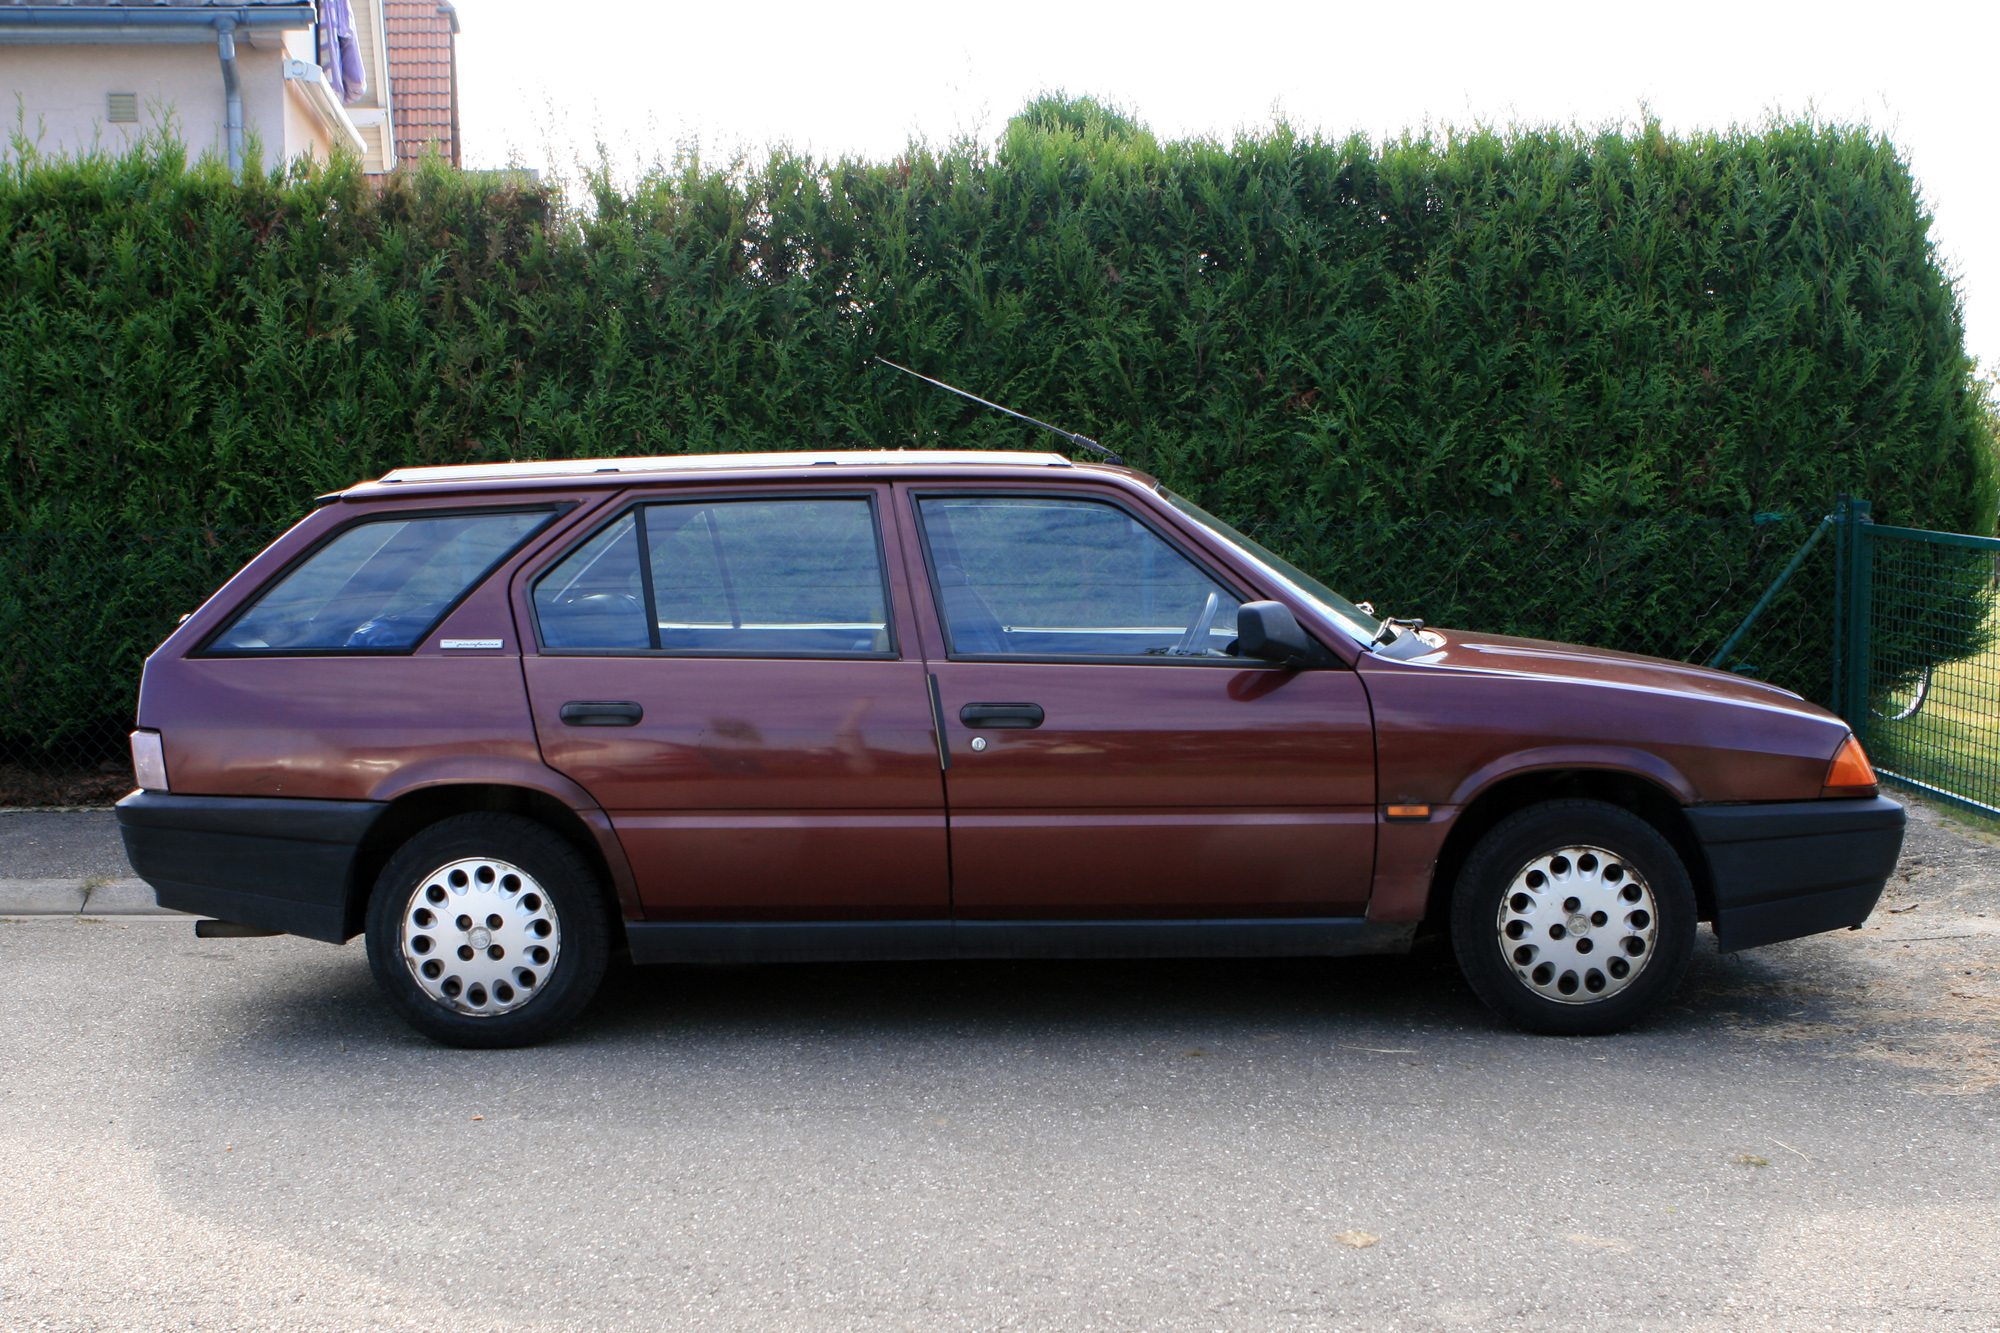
1921 624
80 612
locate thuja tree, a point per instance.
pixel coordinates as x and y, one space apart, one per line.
1535 327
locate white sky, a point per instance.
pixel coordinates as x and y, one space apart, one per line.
541 82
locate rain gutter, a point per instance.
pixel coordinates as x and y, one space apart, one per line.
117 23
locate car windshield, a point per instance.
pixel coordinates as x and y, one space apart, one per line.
1342 612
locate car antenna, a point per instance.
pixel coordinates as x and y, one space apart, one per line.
1083 441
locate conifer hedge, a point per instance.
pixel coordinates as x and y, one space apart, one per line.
1532 327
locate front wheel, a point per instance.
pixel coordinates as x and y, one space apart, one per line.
488 930
1573 917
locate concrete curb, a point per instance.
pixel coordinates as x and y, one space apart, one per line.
80 897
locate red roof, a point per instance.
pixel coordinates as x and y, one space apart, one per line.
423 77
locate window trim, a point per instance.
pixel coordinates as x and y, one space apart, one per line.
554 511
892 653
1195 557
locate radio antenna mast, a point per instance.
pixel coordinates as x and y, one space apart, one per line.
1081 441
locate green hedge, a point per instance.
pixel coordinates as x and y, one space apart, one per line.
1537 326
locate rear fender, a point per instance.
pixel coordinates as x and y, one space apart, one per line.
503 772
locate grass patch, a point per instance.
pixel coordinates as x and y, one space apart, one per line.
1952 742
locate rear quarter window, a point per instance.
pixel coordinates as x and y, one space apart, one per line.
378 586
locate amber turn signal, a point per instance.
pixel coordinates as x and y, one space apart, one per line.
1850 773
1409 812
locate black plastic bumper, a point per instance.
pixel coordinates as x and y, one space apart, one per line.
1797 868
280 864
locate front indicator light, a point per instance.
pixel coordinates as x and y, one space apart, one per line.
149 761
1850 773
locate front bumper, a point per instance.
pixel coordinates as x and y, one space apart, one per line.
1797 867
279 864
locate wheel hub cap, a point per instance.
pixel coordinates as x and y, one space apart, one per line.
480 936
1577 925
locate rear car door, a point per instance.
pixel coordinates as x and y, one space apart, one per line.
726 673
1107 757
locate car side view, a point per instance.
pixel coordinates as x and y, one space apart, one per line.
507 721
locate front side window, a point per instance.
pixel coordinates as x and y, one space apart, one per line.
1059 577
728 578
378 586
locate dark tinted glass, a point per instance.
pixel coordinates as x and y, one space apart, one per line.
593 599
378 586
753 577
1062 577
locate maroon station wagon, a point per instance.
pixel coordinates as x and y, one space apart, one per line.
507 721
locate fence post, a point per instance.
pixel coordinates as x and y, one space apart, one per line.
1857 591
1837 700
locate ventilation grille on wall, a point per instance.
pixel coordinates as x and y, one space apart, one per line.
124 108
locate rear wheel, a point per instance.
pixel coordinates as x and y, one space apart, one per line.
488 930
1573 918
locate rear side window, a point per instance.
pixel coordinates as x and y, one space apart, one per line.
729 578
378 586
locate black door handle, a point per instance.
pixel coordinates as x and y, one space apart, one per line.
1001 717
580 713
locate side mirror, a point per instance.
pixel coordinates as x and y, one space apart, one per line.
1269 632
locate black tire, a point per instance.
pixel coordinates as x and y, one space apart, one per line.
1521 912
553 891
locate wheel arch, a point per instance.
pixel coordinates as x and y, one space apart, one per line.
414 811
1638 793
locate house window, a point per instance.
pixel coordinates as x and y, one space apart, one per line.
124 108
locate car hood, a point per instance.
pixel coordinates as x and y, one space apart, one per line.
1546 658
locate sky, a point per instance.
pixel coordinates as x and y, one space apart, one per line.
541 84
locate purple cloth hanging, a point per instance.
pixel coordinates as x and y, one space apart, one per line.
340 51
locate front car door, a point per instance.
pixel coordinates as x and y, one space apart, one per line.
1108 758
732 677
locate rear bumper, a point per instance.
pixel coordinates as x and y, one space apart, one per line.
1796 868
280 864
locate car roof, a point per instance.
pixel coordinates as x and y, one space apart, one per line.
592 467
568 474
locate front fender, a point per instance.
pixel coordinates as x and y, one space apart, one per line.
1610 758
1406 854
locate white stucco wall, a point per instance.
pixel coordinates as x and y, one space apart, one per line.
57 96
303 131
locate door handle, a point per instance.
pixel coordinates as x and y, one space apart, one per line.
1001 717
582 713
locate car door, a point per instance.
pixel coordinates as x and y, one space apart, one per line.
1107 757
728 675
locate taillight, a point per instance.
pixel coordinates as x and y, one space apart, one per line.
1850 773
149 761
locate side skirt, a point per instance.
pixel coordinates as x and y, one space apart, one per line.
857 941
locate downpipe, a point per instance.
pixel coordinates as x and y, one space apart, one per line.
232 91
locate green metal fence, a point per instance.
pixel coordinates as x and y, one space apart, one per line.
1917 673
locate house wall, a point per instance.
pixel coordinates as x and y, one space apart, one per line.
303 131
62 93
371 111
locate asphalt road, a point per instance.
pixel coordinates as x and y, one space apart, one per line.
238 1134
37 844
